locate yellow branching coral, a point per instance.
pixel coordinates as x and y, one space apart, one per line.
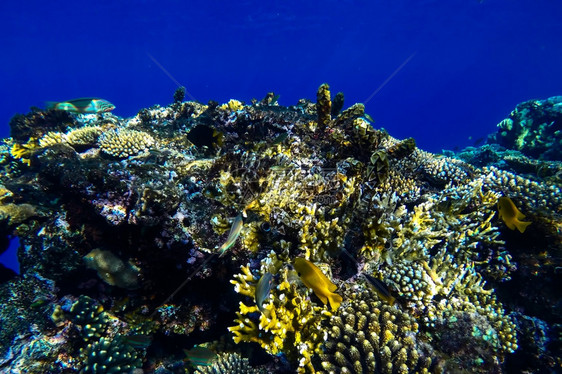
232 105
23 152
292 324
383 229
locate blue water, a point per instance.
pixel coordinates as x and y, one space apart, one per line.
457 67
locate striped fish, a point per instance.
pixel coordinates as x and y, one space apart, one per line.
200 356
83 105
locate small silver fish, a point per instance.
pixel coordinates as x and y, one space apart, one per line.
262 291
82 105
233 235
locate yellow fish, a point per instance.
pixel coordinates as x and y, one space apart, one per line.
511 215
312 277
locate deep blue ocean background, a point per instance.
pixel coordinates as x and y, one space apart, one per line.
453 68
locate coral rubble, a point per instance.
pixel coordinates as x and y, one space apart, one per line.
141 237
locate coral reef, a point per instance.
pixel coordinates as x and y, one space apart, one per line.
124 223
534 128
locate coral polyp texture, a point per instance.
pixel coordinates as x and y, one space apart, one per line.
141 238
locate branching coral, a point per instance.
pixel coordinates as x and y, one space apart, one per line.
86 136
309 180
371 337
292 323
123 143
230 363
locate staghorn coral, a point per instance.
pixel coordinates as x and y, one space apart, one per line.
369 336
123 143
230 363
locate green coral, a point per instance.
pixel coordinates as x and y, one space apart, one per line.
110 356
533 128
90 316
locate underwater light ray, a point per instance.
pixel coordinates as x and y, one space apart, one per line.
396 71
170 75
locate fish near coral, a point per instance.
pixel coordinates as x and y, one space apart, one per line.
83 105
200 356
382 289
262 291
232 235
511 215
313 278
